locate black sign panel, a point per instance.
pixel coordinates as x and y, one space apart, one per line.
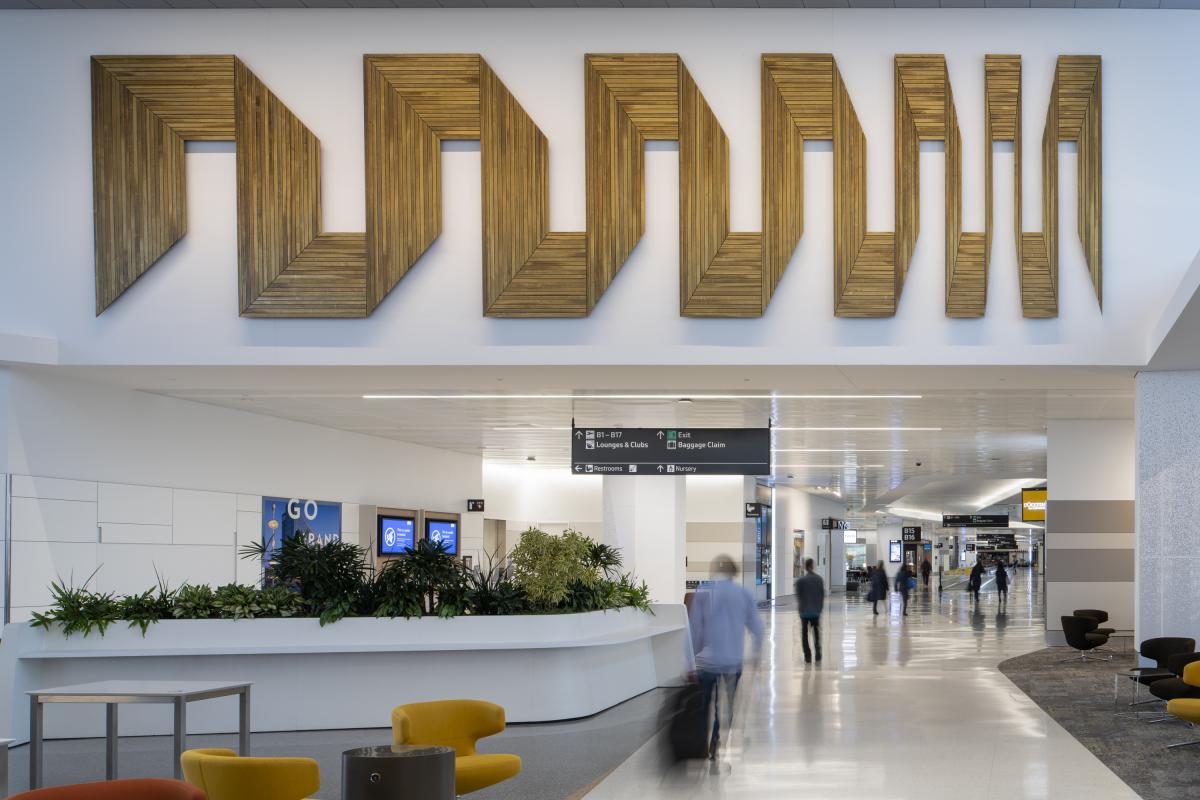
833 524
475 505
997 541
671 451
911 533
970 547
974 520
754 510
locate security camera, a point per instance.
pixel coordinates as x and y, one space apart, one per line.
918 463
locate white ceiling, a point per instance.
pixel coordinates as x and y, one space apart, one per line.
824 4
990 422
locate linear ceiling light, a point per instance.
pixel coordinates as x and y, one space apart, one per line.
594 396
829 466
918 513
834 450
846 428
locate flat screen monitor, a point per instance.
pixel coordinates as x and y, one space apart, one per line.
894 551
444 531
396 534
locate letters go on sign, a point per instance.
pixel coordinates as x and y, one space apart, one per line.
671 451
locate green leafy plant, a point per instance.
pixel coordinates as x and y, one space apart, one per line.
78 609
546 566
277 601
332 578
439 578
233 601
194 602
490 592
145 609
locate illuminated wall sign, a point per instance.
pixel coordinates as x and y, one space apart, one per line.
833 524
1033 505
895 551
911 533
283 517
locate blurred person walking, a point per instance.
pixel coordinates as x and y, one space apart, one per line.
722 613
810 594
879 588
975 581
1002 581
926 570
905 581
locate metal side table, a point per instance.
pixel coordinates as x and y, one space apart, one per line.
398 772
113 693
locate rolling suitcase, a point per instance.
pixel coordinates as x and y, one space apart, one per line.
691 726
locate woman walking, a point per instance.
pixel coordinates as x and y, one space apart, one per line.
879 588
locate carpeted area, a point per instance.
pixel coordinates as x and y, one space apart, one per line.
562 760
1079 697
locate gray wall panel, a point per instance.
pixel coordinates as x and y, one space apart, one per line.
1106 565
1089 516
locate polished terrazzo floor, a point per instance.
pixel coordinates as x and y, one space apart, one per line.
901 707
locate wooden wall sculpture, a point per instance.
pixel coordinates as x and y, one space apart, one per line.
146 107
1073 116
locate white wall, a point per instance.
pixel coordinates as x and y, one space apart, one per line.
798 510
137 483
184 309
550 499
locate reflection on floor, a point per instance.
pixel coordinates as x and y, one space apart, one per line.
901 707
1080 696
561 760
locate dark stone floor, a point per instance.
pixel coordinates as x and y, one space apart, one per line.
1079 696
562 760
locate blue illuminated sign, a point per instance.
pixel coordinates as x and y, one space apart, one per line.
396 534
444 532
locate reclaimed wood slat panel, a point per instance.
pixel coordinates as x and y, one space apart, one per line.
629 99
286 265
143 109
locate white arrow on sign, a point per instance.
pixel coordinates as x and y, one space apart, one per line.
661 434
578 434
579 468
660 467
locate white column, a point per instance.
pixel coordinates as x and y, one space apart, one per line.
646 516
1089 521
5 424
1168 504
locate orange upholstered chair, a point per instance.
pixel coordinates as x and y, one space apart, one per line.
136 789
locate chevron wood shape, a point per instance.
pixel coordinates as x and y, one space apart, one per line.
287 266
1073 116
143 110
927 113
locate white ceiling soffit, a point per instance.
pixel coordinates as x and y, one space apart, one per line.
516 4
866 436
1175 340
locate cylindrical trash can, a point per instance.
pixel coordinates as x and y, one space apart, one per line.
398 772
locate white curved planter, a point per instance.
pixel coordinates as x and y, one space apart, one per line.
351 673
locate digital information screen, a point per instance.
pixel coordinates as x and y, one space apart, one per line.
895 551
443 531
396 534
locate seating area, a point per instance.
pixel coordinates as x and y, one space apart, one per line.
1174 678
221 774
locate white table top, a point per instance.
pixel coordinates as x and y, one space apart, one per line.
131 689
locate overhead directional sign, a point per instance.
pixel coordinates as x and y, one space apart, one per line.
974 520
911 533
671 451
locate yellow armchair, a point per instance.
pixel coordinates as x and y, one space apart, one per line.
458 724
1187 709
223 775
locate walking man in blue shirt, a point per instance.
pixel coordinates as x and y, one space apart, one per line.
721 614
810 594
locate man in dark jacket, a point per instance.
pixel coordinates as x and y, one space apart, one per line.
810 594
